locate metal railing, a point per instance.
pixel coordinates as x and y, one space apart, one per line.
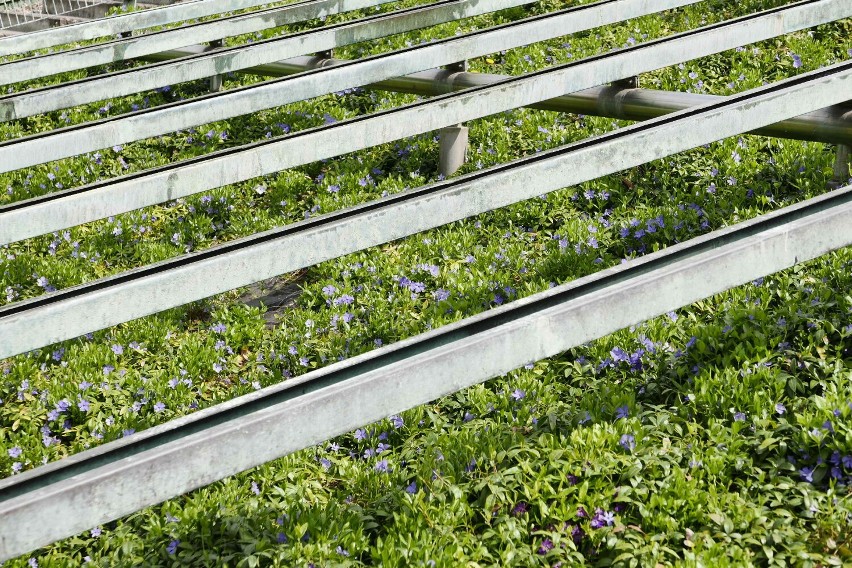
101 484
29 15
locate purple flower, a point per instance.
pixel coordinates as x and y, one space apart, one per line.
441 294
739 417
797 61
622 412
468 417
360 434
329 290
282 538
807 474
217 367
219 327
95 532
159 407
117 349
128 432
780 408
412 488
518 394
172 547
628 442
254 488
546 545
344 300
83 405
573 479
63 405
342 551
397 422
520 508
382 466
15 452
325 463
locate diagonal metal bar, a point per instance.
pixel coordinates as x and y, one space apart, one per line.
328 37
266 95
69 313
74 206
133 21
98 485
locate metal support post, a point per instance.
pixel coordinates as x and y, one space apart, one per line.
453 139
216 80
127 6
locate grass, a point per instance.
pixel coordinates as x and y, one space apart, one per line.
718 434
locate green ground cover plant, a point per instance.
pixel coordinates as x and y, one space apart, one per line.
718 434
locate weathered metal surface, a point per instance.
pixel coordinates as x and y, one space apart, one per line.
200 65
120 50
71 207
98 485
69 313
145 19
831 125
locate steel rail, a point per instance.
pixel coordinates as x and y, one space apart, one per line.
68 313
78 205
227 59
831 125
134 21
511 35
337 35
118 478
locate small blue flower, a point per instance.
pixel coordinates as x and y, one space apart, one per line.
780 408
172 546
628 442
622 412
411 488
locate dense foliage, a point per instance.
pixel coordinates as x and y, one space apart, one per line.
718 434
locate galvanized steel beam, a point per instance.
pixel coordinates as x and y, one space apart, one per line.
118 478
69 313
831 125
370 28
200 65
78 205
147 19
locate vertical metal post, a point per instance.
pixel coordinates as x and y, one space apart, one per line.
453 139
216 80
